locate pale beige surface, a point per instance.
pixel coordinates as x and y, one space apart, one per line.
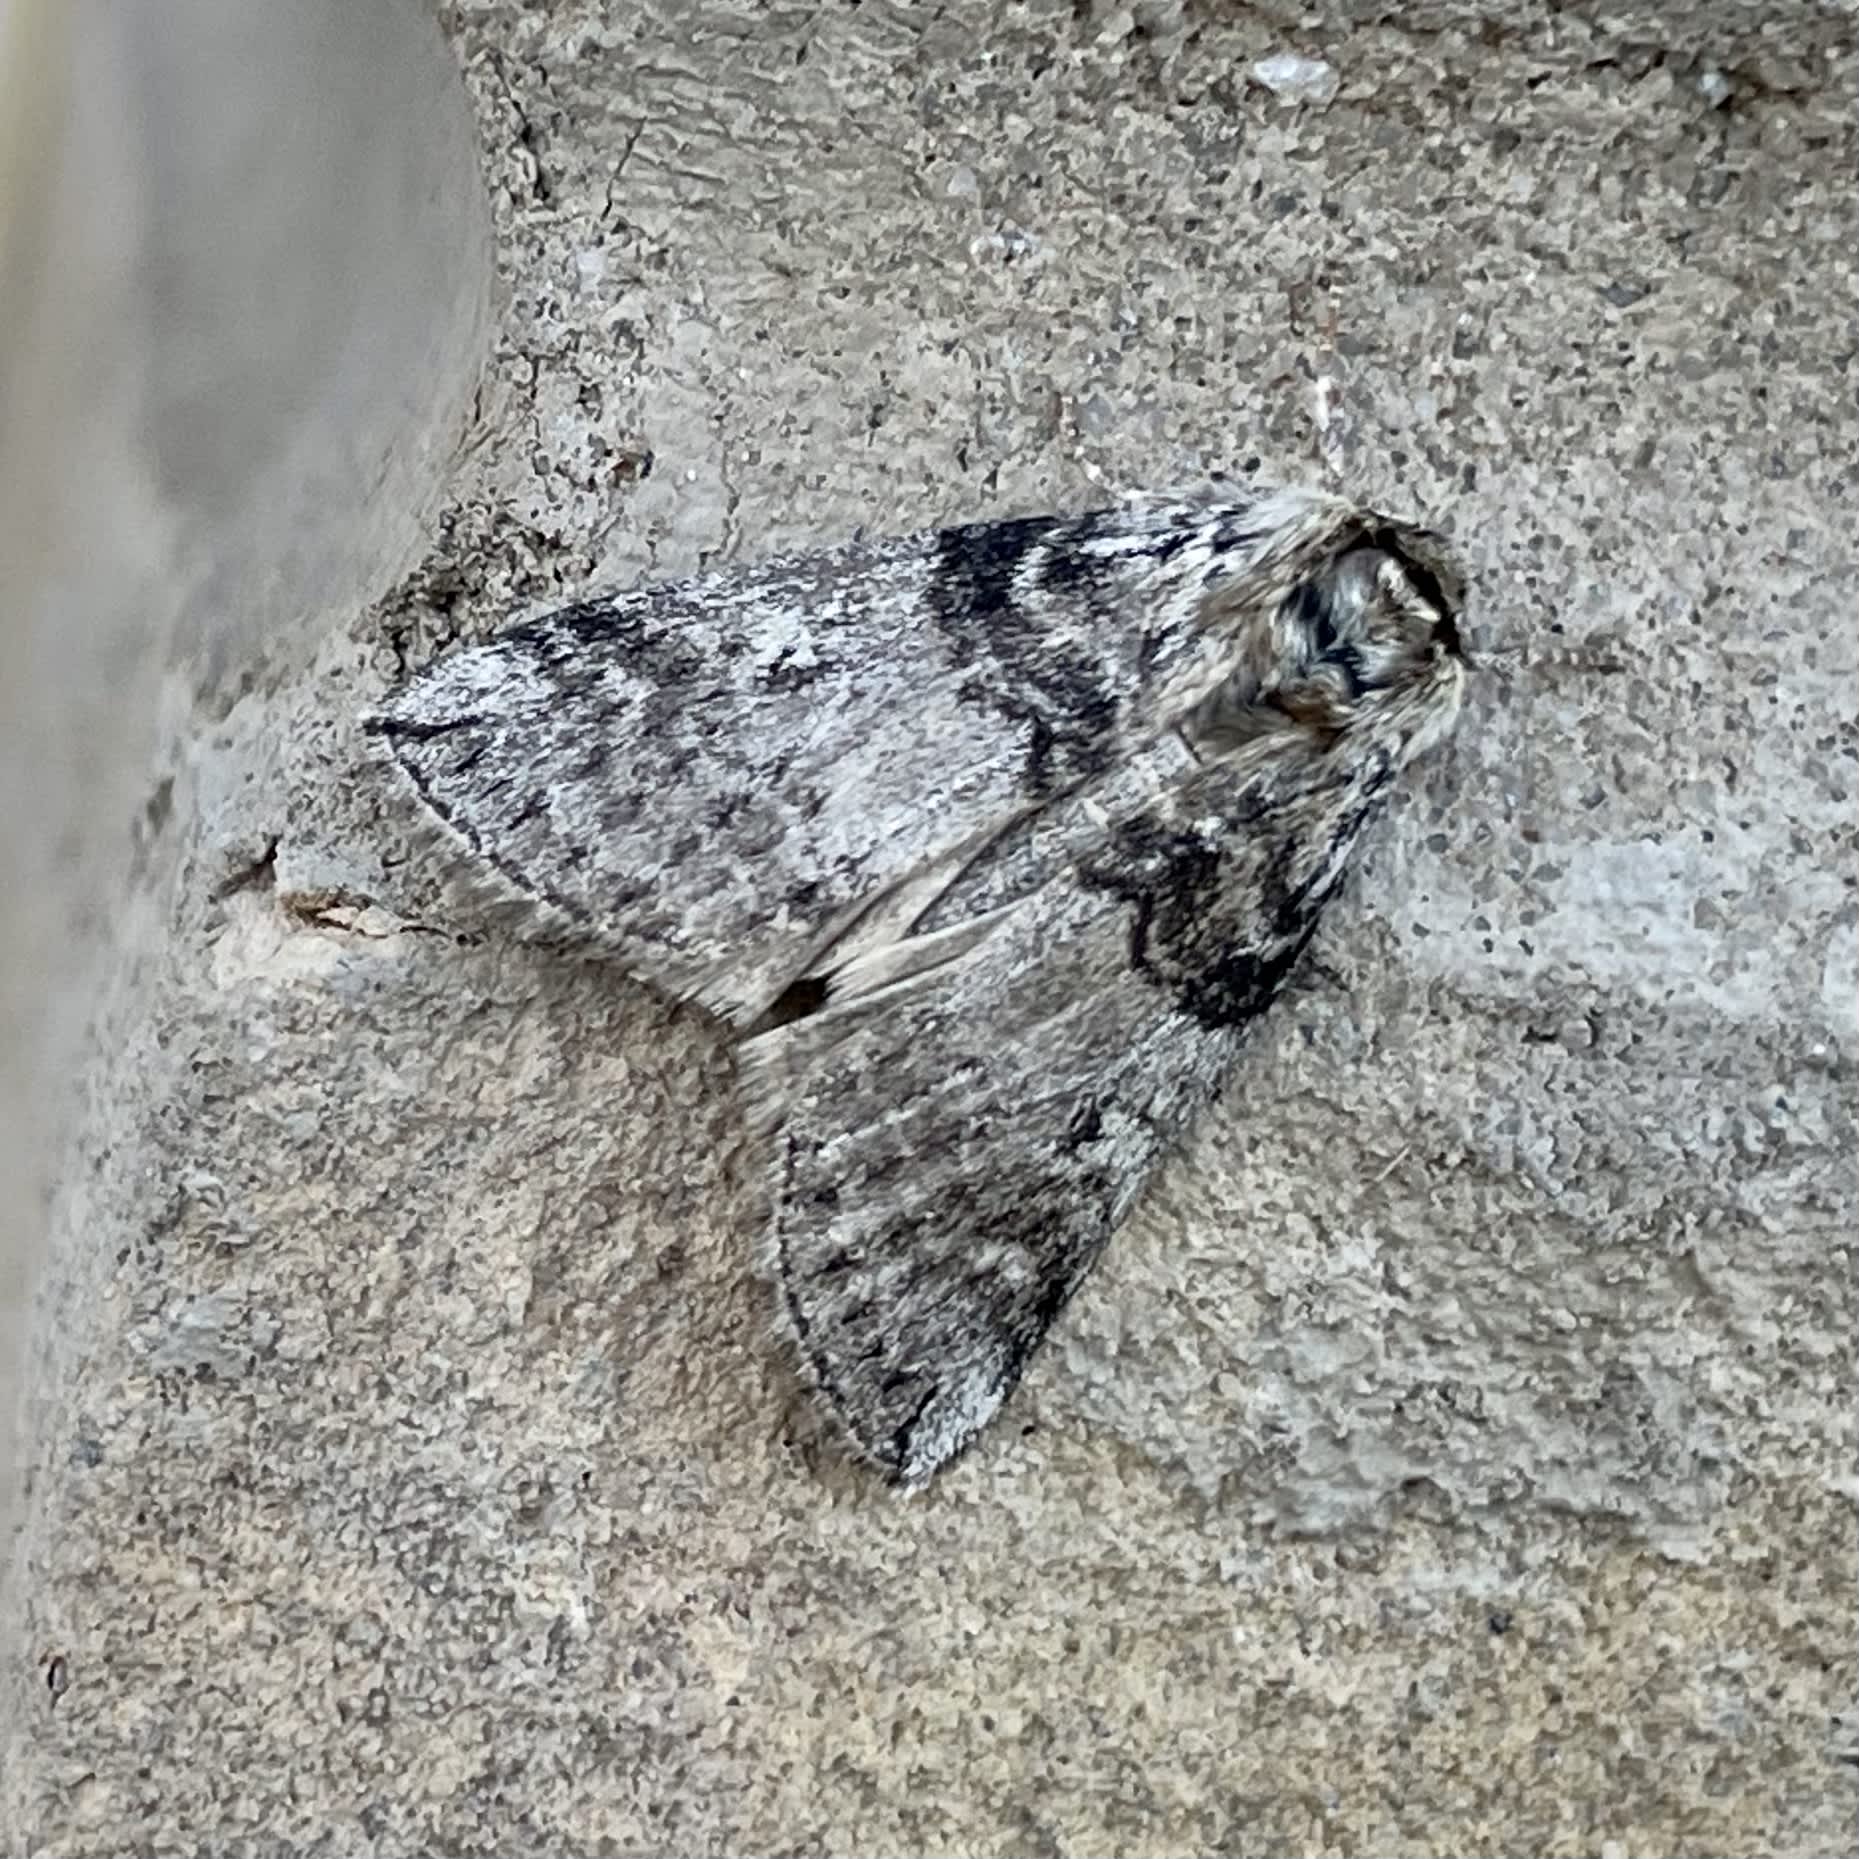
1456 1455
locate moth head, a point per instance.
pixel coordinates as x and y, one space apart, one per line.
1363 642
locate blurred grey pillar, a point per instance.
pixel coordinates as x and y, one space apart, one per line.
244 297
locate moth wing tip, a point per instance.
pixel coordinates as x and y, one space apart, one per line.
762 1089
381 720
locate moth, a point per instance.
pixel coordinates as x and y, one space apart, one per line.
986 844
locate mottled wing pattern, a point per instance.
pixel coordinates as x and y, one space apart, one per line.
924 1242
713 780
988 843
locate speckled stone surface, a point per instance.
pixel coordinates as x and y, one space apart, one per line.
1456 1453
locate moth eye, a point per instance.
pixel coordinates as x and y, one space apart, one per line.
1331 606
1355 581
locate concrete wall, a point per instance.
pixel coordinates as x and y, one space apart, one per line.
1456 1452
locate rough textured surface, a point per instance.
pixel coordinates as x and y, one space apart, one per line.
1455 1454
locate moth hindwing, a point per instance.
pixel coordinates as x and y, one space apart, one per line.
987 844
